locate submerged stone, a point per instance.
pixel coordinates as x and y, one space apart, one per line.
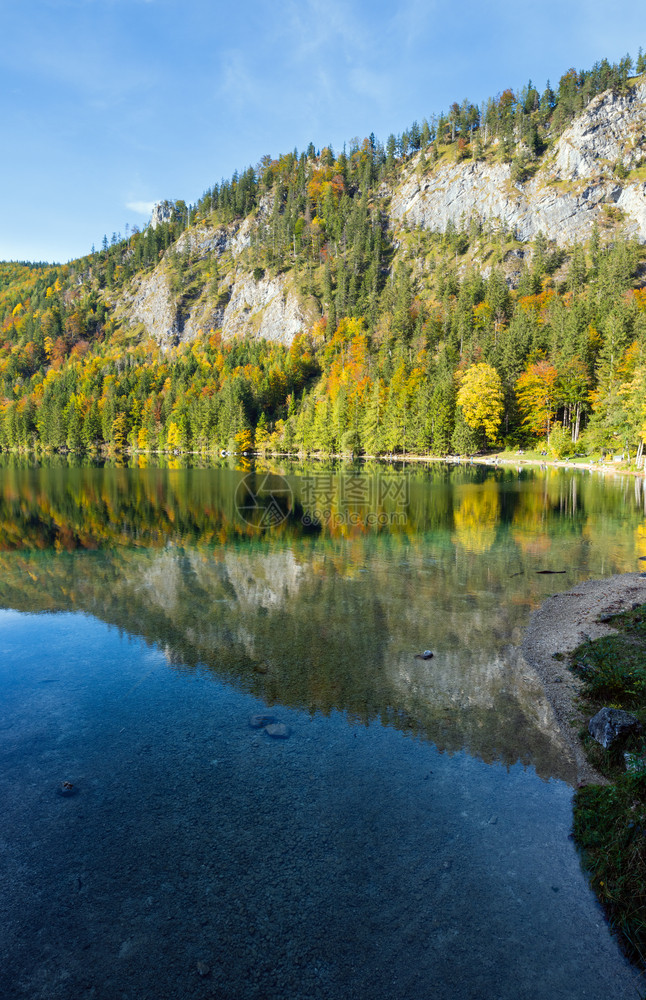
260 719
278 731
67 789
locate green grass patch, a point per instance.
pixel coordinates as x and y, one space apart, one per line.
632 622
613 669
563 186
610 821
610 829
522 455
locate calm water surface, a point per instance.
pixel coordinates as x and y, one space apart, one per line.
409 839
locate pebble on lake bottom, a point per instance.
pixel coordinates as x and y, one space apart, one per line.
260 720
67 789
278 731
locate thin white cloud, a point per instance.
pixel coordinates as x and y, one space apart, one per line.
239 84
339 56
370 83
141 207
324 28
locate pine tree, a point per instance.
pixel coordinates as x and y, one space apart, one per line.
372 422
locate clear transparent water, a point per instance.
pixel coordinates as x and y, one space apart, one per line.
409 839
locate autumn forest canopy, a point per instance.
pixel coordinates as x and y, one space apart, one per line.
421 341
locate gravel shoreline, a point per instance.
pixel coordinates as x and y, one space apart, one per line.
562 622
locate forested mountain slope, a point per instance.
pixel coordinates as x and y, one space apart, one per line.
368 300
590 175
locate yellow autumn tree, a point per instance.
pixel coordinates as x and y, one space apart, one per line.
143 439
481 399
632 394
537 391
119 433
244 440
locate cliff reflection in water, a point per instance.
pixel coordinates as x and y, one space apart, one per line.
328 612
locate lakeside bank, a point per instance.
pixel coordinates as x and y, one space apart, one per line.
555 629
586 645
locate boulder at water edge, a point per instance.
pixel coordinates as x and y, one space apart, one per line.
612 724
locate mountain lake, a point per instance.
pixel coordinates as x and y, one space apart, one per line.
229 770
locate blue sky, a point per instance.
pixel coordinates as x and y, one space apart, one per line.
109 105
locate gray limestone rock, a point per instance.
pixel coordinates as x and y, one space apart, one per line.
568 193
268 308
162 212
612 724
635 762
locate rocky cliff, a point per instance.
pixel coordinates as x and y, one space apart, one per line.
587 171
162 212
595 172
230 298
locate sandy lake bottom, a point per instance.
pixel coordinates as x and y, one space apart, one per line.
198 857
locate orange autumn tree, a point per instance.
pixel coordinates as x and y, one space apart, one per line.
345 358
536 392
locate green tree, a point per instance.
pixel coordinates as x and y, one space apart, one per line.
74 420
372 422
441 414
